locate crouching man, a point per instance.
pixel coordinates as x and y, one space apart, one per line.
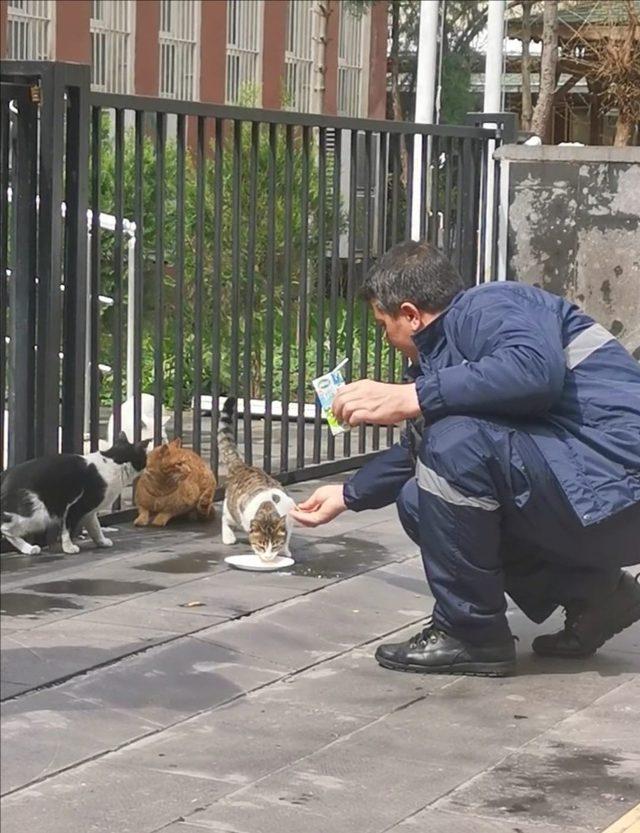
519 471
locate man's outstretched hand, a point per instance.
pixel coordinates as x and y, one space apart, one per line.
378 403
325 504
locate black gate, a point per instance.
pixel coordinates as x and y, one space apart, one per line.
184 252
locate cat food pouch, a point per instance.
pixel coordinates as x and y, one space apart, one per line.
326 388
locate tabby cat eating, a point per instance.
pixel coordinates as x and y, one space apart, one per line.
254 501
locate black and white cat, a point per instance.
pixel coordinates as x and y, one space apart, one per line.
65 491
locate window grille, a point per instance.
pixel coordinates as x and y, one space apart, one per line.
352 53
112 45
30 30
298 58
244 51
179 27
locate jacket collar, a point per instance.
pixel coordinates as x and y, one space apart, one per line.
427 338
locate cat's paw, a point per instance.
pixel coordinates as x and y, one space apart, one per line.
228 537
105 542
34 549
71 549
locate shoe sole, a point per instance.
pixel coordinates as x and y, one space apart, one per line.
466 669
632 618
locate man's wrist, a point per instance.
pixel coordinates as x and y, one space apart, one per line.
413 408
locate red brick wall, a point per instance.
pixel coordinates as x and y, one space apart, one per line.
213 40
3 27
331 59
275 34
147 52
73 38
378 62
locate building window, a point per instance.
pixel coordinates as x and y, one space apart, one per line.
179 28
353 49
298 57
111 45
244 52
30 30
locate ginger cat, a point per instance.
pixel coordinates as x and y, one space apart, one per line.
175 482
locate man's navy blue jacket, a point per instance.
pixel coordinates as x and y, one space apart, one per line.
517 354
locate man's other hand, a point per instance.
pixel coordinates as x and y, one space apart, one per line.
378 403
325 504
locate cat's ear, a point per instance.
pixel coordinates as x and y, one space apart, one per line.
122 438
145 443
282 523
176 442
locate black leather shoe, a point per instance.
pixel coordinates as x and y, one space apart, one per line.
589 625
432 651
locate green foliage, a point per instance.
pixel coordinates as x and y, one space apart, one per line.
261 263
457 97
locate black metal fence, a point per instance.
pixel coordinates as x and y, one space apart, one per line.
184 252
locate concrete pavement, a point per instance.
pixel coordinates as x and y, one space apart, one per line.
150 688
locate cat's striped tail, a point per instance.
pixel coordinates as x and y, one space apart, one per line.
226 442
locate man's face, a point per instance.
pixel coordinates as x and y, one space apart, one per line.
399 329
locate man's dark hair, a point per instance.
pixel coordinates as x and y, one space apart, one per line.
413 271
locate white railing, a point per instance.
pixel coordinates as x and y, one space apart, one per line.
30 30
244 51
298 57
112 45
179 39
353 54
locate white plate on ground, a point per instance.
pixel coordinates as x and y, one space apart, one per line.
254 562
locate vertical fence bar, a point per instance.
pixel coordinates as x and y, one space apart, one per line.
198 292
446 230
351 265
50 241
178 402
458 213
269 318
117 271
467 232
335 266
395 236
218 192
22 290
364 307
75 263
286 298
138 292
158 334
383 162
321 285
94 283
5 122
236 220
435 190
302 299
249 290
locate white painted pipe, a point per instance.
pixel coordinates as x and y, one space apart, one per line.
494 63
425 102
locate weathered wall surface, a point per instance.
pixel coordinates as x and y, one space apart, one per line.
574 229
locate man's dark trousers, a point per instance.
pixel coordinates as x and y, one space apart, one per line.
490 518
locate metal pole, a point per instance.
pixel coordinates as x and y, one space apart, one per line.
492 102
425 100
131 312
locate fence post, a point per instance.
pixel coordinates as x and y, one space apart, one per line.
74 330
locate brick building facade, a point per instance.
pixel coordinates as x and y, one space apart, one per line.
267 53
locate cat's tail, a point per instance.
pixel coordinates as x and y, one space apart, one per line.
226 441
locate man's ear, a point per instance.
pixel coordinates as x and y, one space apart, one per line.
412 314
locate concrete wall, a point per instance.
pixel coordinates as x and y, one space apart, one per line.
573 228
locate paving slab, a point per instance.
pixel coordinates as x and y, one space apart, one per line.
262 707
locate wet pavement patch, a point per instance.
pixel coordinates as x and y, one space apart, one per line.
32 604
94 587
340 557
11 563
193 562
